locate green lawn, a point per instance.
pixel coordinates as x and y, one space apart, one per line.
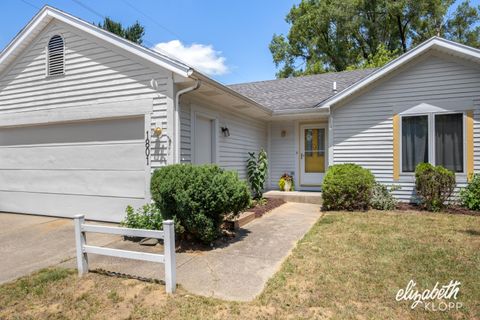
350 265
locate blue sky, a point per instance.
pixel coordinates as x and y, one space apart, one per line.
228 39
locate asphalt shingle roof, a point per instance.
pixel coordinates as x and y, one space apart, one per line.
300 92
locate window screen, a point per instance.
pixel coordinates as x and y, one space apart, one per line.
414 142
449 141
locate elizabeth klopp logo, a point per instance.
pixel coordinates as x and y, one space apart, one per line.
437 299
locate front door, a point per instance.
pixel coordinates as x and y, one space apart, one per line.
313 141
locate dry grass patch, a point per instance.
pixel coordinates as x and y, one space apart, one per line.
350 265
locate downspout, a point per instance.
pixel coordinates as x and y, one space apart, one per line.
176 113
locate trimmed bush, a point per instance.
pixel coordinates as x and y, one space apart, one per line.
198 197
146 217
470 195
434 185
347 187
382 198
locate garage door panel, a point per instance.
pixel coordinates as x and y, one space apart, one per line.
61 205
79 182
116 156
74 132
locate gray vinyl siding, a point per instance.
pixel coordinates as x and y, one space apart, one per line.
246 135
94 73
362 127
282 150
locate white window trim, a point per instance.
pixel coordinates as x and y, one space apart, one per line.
431 139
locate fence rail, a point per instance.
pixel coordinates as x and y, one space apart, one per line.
168 236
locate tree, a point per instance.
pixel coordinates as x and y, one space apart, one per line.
463 27
375 60
333 35
134 33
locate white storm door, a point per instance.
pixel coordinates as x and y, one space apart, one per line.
313 142
204 139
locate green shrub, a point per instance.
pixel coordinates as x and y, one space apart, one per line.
347 187
382 198
146 217
257 170
434 185
198 197
470 195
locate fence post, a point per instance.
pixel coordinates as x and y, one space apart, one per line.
170 264
80 240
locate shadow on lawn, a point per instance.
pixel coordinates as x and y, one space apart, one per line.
471 232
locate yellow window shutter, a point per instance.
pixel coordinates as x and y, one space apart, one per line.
396 147
469 140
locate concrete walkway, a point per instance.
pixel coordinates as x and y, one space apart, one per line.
237 271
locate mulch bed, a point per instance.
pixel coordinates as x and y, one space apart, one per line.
271 204
454 209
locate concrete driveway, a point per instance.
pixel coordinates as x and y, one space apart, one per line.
29 243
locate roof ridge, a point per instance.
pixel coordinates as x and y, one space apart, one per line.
302 77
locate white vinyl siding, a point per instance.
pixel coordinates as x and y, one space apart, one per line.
282 150
96 73
363 129
246 135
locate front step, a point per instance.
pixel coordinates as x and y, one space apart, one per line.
295 196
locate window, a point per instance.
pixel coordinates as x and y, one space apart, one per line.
449 141
434 138
55 56
414 142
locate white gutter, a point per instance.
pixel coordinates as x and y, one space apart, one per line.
176 114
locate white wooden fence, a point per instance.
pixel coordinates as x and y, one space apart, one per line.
168 236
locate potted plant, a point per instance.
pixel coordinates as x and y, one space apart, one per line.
286 182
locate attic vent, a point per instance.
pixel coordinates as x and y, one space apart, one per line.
56 59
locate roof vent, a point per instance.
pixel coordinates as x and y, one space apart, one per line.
56 58
334 89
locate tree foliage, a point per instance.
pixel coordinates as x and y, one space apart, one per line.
335 35
134 33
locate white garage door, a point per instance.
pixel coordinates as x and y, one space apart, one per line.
95 168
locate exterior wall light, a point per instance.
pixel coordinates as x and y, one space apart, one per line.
225 132
283 133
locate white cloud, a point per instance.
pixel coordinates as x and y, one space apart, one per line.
200 56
